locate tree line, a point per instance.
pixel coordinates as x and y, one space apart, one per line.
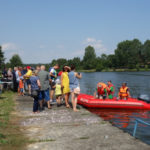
129 54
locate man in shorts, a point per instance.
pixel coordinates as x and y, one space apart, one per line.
44 90
27 78
53 76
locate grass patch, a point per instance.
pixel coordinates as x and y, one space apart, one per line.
10 135
42 140
103 122
85 114
84 138
90 70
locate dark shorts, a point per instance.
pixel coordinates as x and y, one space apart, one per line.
28 81
52 85
44 95
21 90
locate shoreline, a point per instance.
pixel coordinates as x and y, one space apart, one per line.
114 70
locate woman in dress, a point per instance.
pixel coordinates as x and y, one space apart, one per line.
65 84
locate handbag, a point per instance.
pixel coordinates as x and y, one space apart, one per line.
34 93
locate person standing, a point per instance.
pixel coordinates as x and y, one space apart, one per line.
21 86
38 68
10 74
35 86
27 78
58 92
4 73
15 84
74 86
24 71
53 76
10 78
65 84
18 75
44 90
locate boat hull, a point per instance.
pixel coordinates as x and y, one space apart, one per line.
132 103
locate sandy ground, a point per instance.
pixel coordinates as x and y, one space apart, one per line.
62 129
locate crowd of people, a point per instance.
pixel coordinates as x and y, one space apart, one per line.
44 86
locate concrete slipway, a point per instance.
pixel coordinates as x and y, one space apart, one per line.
60 128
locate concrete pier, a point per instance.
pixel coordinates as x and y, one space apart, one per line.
60 128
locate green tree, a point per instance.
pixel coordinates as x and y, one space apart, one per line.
111 61
128 53
2 59
89 58
53 62
146 52
15 61
77 62
99 64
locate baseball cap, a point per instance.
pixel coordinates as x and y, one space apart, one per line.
28 67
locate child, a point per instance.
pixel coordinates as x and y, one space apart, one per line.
58 92
21 86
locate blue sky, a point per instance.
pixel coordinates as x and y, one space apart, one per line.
42 30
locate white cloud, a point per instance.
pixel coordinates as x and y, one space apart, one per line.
97 44
9 46
88 40
10 49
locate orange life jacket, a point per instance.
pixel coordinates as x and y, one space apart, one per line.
111 92
123 92
100 90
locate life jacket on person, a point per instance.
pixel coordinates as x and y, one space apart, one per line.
100 88
111 92
123 92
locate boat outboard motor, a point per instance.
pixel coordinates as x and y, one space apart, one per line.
144 98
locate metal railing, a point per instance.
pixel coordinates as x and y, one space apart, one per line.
136 124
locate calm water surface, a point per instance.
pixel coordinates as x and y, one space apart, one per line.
138 82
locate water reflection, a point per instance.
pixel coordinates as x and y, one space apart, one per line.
125 120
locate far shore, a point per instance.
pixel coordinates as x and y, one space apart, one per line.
115 70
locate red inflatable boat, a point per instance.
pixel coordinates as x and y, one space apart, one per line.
132 103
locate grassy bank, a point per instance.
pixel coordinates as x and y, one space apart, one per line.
10 134
91 70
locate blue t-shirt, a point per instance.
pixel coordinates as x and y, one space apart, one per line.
34 85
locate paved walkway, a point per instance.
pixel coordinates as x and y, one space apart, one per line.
62 129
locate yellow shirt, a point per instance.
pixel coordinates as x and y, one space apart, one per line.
58 89
29 73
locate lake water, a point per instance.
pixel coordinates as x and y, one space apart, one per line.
138 83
